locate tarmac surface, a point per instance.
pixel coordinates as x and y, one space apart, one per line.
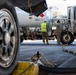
52 52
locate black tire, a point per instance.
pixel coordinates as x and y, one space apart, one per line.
65 39
21 39
8 29
24 36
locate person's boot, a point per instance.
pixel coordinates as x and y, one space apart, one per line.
43 42
47 43
58 43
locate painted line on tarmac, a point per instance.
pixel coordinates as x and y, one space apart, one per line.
30 49
66 61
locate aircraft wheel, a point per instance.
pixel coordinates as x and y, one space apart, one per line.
67 37
9 37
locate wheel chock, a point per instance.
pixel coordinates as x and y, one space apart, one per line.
22 66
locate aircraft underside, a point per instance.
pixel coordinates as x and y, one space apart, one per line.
35 7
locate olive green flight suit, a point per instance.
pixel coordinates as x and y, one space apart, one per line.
58 30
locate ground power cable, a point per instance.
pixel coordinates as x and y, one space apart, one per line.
68 51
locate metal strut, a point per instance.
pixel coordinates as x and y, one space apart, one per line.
29 5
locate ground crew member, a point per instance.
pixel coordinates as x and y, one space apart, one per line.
58 31
44 31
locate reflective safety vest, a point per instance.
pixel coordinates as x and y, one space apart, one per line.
43 27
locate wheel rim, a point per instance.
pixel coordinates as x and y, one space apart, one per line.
66 38
8 36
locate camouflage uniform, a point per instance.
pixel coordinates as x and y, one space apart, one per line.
58 30
45 37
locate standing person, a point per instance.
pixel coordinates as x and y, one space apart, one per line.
58 30
44 31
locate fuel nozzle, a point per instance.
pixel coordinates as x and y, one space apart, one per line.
36 56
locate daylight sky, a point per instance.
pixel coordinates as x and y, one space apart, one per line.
61 4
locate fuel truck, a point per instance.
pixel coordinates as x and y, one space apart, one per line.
30 24
69 34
